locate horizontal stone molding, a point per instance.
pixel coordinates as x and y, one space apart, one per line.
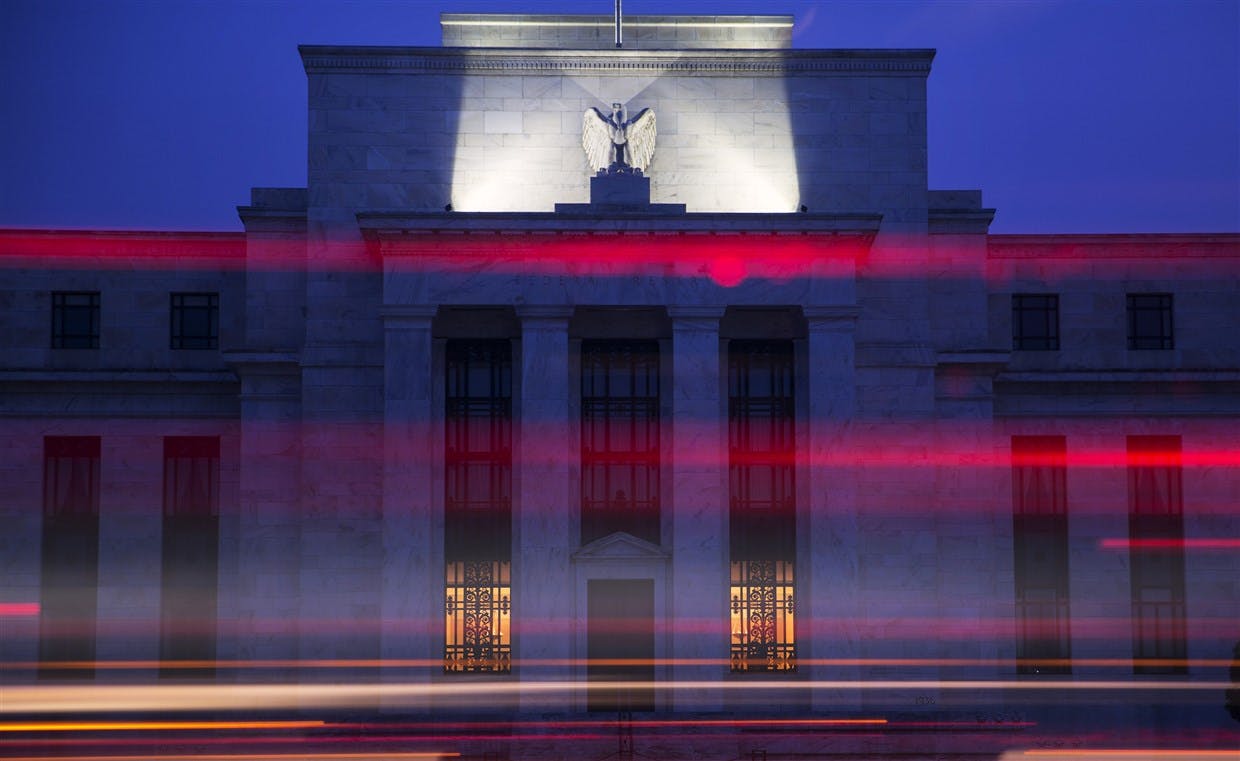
831 316
321 59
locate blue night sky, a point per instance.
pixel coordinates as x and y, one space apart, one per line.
1072 116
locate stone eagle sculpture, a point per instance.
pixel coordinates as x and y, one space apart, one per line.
614 144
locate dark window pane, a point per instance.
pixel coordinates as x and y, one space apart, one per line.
620 439
1150 321
194 321
1035 321
1040 545
1156 568
75 320
70 552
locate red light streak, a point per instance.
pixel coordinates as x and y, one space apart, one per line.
1170 544
19 609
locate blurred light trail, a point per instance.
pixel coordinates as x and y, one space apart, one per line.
1121 754
61 699
394 756
363 664
127 726
18 609
1170 544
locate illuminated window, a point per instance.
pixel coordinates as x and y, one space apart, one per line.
190 539
75 320
478 613
762 616
70 567
1040 544
478 507
195 321
619 439
1156 569
762 514
1149 321
1035 321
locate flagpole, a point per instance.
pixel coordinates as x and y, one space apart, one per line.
619 34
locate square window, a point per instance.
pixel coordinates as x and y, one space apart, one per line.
1035 321
1149 321
195 321
75 320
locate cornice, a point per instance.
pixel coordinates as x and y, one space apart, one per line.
334 59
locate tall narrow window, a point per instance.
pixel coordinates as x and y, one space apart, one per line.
478 507
762 520
1156 565
70 563
619 439
75 320
1040 543
191 536
194 321
1035 321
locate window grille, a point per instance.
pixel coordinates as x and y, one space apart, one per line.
1150 321
75 320
478 507
620 439
762 523
195 321
478 613
763 616
1040 544
1035 321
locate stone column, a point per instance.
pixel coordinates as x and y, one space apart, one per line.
699 608
544 462
413 573
830 613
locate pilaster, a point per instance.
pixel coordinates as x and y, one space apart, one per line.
830 611
411 622
699 507
544 619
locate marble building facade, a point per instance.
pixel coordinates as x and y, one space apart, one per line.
862 438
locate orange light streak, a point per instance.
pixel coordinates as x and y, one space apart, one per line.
127 726
249 697
252 756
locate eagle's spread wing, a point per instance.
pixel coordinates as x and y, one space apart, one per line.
641 134
596 138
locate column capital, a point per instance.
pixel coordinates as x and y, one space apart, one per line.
544 311
398 315
831 318
695 317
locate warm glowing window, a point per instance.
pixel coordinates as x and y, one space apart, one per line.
762 515
1156 569
478 506
478 616
762 616
619 439
1040 545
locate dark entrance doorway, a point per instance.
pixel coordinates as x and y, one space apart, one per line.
620 643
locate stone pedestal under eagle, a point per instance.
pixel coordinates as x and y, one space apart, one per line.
616 145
